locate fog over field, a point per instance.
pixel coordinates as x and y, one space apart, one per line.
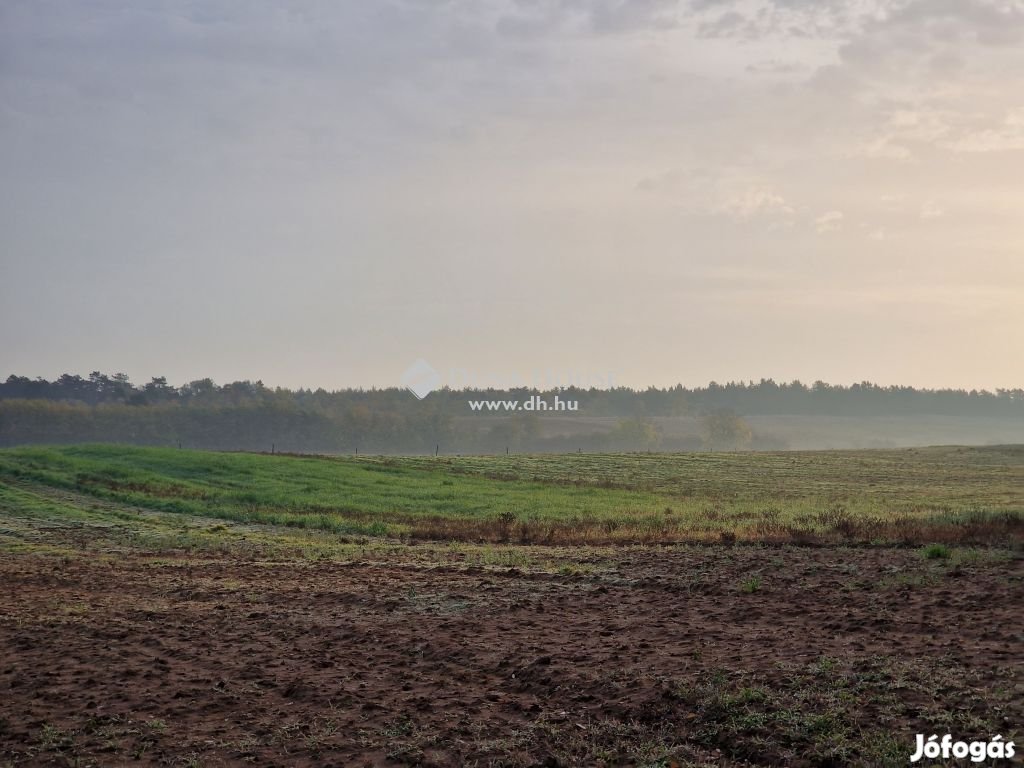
427 417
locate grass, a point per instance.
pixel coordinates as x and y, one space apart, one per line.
950 476
813 713
936 552
943 496
751 585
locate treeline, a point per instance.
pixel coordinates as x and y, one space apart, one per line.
246 415
765 397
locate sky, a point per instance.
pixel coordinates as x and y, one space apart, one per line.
637 192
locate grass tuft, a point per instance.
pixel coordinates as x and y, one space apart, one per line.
936 552
751 585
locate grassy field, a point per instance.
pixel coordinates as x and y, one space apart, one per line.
912 496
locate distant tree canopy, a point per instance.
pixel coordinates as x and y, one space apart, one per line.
251 416
765 397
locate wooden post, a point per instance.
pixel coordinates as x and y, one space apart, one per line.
436 449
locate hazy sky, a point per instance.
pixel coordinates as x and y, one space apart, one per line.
318 193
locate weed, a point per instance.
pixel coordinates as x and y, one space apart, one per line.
936 552
751 585
826 665
51 737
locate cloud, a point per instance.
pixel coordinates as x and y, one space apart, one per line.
988 22
545 19
883 147
754 201
730 24
909 132
830 221
759 19
905 129
776 67
731 192
892 202
616 16
1006 136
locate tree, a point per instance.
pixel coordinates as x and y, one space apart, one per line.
159 391
726 430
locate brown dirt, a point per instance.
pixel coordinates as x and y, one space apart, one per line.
836 656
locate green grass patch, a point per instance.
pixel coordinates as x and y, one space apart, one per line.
942 496
936 552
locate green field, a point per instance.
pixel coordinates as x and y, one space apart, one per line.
911 496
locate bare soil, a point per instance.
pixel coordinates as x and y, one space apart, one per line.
663 656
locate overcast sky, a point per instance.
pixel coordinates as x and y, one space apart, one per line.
317 193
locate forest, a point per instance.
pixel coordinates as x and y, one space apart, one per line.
247 415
